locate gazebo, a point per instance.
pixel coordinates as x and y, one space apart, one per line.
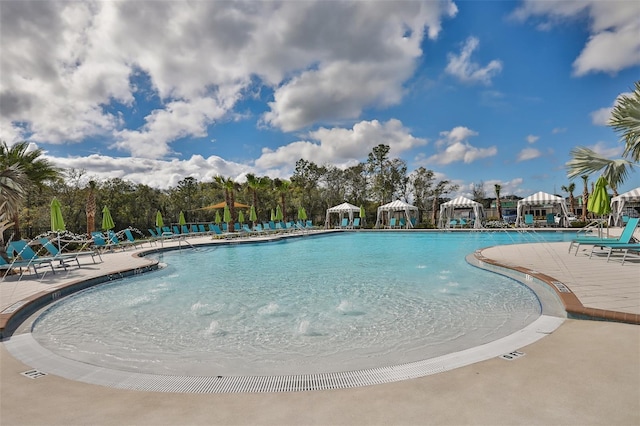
618 203
447 210
542 199
342 210
408 211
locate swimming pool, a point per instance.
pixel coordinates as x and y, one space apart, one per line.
299 306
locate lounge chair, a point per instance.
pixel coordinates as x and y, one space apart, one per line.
528 220
57 254
20 264
625 237
403 222
635 247
551 221
453 223
462 222
113 237
392 223
100 242
202 229
344 223
131 239
20 250
356 223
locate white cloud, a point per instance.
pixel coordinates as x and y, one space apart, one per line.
606 150
558 130
340 146
614 26
155 173
457 148
532 138
528 154
69 67
462 67
602 116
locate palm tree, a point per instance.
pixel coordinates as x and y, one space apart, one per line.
572 201
90 207
585 196
282 186
497 188
12 184
229 186
625 119
37 170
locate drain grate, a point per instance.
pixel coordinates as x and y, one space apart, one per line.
33 374
561 287
512 355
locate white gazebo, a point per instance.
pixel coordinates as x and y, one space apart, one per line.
342 210
617 205
542 199
407 210
447 211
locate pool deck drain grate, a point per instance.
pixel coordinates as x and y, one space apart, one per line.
25 348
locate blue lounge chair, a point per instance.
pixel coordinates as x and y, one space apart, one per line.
202 229
625 237
113 237
131 239
57 254
635 247
453 223
356 223
392 223
528 220
20 264
551 220
100 242
20 249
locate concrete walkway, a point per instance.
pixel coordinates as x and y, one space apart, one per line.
586 372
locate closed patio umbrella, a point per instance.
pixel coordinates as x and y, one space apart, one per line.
302 214
599 202
181 219
240 216
159 221
218 219
273 215
252 215
57 222
279 215
226 216
107 220
362 213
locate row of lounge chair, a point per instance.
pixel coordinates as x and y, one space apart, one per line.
183 231
346 225
23 257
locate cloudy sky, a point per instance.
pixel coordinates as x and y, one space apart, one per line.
156 91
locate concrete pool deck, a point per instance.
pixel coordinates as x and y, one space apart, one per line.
586 372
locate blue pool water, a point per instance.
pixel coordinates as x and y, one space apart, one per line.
303 305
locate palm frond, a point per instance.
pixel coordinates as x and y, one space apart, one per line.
585 161
625 119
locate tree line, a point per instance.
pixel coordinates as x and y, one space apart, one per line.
28 183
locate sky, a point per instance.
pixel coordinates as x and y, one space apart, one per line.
152 92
